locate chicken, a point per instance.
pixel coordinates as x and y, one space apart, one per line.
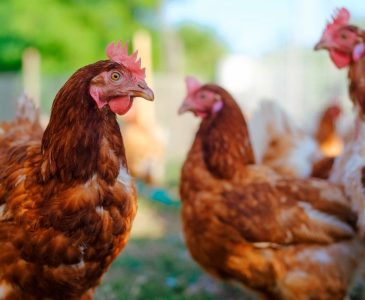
327 136
66 200
286 238
280 143
145 150
330 141
25 127
346 46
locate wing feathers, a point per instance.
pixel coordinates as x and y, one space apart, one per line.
327 223
323 196
288 212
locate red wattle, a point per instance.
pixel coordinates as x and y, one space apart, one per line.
120 105
340 59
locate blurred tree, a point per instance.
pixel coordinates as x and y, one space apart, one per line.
203 48
72 33
68 33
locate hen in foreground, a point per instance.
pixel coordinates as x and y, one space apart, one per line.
287 238
346 46
66 200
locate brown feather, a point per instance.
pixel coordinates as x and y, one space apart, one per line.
65 215
323 167
244 222
356 76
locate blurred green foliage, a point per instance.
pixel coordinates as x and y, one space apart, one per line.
68 33
203 49
73 33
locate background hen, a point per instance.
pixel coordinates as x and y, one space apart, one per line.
66 200
329 139
346 46
279 142
145 149
285 238
26 125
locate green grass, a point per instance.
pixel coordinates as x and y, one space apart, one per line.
156 265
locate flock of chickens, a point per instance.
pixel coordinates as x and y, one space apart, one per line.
252 211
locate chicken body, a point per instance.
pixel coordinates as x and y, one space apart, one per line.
349 170
58 238
279 143
346 45
285 238
145 165
25 127
66 200
329 140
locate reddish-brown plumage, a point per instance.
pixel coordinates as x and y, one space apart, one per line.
322 168
328 138
346 46
356 76
240 153
286 238
66 202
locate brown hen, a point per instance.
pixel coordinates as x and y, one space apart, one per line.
346 46
66 200
329 140
288 149
285 238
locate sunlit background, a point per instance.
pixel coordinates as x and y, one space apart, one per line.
256 49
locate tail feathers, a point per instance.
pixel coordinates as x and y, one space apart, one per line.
26 109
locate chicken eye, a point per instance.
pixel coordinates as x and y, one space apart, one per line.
343 36
202 96
115 76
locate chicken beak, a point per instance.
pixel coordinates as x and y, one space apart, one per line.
185 106
143 91
321 45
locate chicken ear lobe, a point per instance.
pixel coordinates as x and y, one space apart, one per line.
95 93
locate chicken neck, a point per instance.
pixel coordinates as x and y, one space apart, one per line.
356 77
225 139
80 140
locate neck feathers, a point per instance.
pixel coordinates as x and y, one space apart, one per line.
81 141
357 84
225 138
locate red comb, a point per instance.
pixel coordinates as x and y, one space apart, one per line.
341 16
192 84
119 54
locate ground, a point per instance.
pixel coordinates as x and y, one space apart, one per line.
156 265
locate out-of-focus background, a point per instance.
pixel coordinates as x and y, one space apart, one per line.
256 49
